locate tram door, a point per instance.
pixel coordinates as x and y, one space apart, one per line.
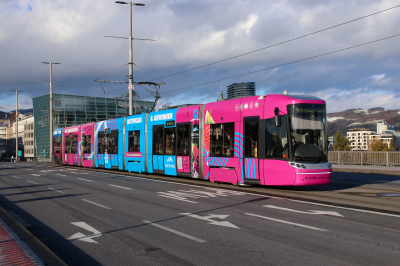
158 149
251 148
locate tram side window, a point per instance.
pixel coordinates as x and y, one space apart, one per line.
183 148
74 144
112 139
157 140
170 135
67 145
276 144
251 137
86 142
100 142
57 142
134 141
222 140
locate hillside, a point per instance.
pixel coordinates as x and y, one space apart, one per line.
359 118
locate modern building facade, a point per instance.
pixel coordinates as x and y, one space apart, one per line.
70 110
244 89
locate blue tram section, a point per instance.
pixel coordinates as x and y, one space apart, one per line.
161 144
135 149
57 146
108 137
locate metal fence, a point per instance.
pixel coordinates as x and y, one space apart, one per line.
387 158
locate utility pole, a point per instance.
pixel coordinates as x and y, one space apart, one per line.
16 126
130 77
51 107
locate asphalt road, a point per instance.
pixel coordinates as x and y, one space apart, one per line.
98 218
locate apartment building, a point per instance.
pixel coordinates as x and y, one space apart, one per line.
29 140
385 138
359 139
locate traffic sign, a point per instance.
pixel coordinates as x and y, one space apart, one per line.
130 87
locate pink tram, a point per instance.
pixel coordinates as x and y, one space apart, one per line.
273 140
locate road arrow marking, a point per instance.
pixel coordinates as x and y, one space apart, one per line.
305 212
212 216
82 237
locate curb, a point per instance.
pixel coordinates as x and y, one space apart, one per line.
42 251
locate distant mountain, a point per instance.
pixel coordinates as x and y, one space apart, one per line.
359 118
23 111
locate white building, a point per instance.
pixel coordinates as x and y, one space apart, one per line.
382 126
359 139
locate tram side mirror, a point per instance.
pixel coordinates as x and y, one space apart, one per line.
278 122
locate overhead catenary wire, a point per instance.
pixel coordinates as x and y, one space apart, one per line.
285 64
280 43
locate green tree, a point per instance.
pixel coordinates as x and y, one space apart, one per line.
378 145
341 143
392 145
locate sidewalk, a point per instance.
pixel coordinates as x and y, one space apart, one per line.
13 251
367 169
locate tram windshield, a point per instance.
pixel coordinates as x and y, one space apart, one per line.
309 135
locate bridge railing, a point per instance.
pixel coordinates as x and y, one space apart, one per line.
386 158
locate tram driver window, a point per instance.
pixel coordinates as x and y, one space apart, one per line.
276 145
134 141
222 139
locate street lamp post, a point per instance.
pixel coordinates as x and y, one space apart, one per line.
16 126
51 106
131 87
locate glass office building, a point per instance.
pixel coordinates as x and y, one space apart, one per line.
71 110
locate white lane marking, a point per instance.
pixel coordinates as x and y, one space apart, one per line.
59 191
97 204
44 171
176 198
16 176
209 218
85 179
81 237
31 182
119 186
286 222
272 197
345 208
29 169
60 175
72 172
175 232
34 174
305 212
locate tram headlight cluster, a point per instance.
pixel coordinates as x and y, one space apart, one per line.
297 165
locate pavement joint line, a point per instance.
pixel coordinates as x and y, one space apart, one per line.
119 186
175 232
286 222
59 191
85 179
31 182
97 204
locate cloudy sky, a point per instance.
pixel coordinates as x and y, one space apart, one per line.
190 34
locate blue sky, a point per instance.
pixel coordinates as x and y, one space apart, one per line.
190 34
